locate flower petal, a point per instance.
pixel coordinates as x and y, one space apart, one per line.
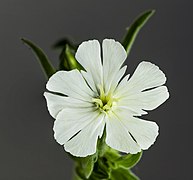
70 83
144 132
134 94
85 142
147 100
118 137
89 56
70 121
56 103
147 75
114 55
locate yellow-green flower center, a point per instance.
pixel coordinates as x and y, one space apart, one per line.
104 102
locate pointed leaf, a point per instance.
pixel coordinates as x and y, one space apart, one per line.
42 58
134 29
130 160
123 174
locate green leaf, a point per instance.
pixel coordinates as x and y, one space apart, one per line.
134 29
85 166
67 59
123 174
47 67
130 160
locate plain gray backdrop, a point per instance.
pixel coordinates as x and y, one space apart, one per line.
28 150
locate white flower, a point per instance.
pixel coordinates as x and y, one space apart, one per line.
99 97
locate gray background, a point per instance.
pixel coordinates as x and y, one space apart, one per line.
28 150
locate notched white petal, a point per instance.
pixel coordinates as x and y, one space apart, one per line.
70 121
151 99
137 102
89 56
143 91
114 55
147 75
118 137
144 132
85 142
56 103
70 83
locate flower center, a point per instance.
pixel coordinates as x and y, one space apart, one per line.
104 102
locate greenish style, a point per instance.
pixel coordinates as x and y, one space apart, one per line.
134 29
106 163
46 65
